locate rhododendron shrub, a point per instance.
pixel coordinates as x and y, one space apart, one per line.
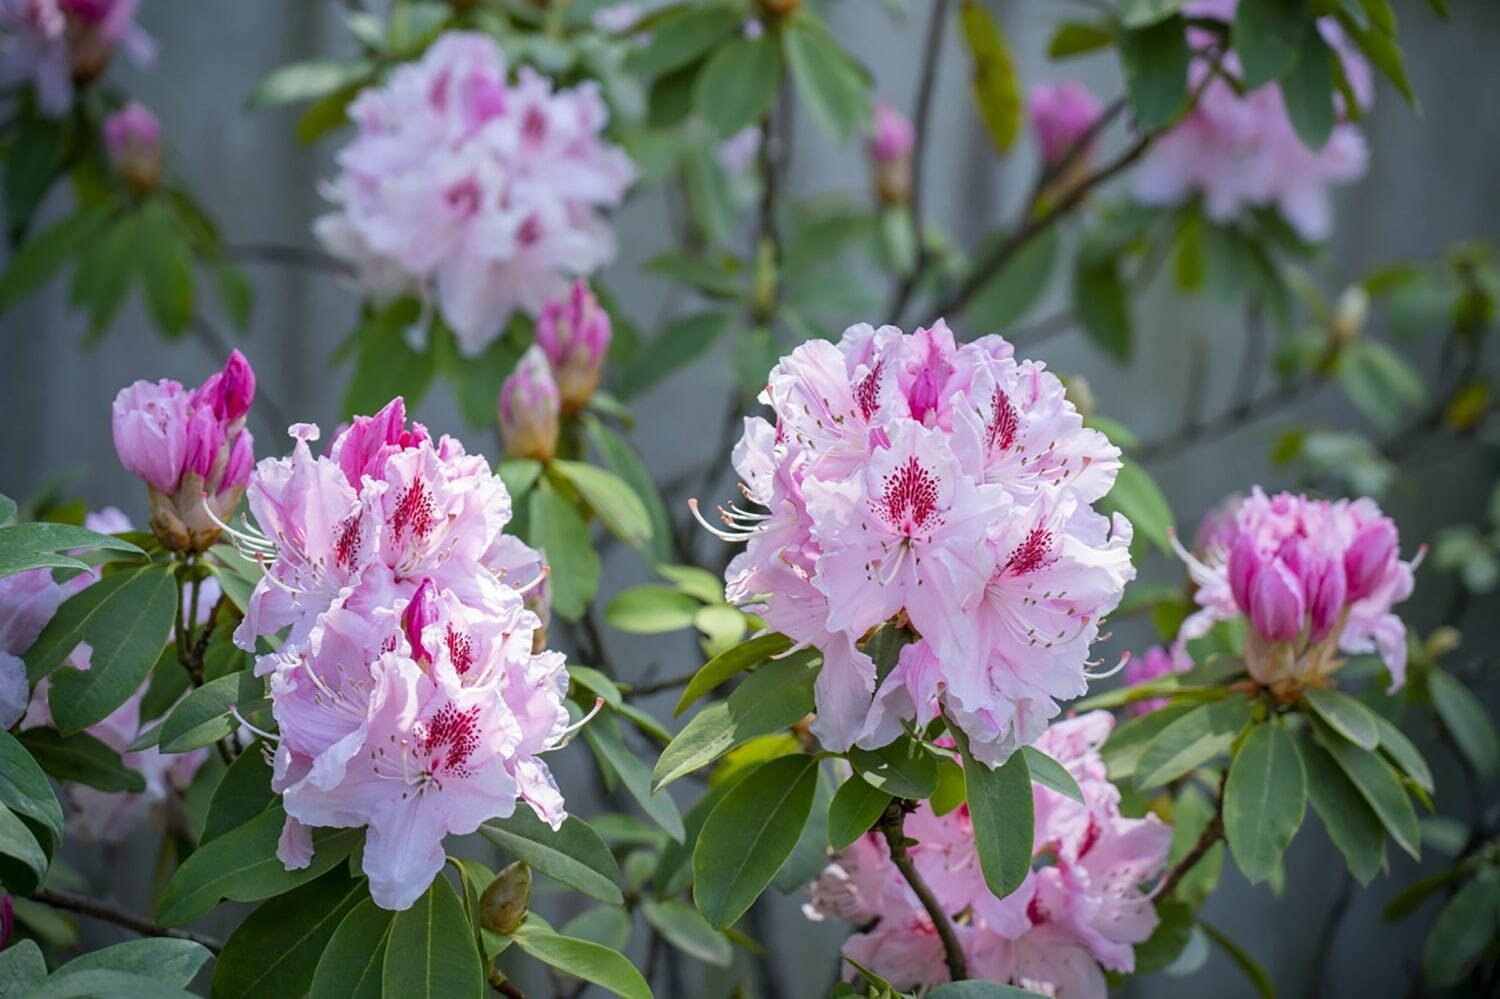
895 657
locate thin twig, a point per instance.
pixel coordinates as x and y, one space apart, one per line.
895 839
1212 833
287 255
1231 420
657 686
926 86
86 906
507 989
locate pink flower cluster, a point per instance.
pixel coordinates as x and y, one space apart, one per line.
54 44
485 191
945 489
558 374
28 600
1313 578
406 693
1241 151
190 448
1081 910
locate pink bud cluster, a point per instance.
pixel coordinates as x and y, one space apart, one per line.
406 693
56 44
1313 578
191 449
487 192
558 374
1080 911
941 489
1240 151
890 150
1061 115
132 137
28 600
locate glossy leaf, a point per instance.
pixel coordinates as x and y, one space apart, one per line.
903 769
856 806
563 537
730 663
38 544
1346 716
431 953
583 959
574 855
651 609
353 962
684 928
275 951
1192 740
1352 826
1051 774
611 499
243 792
1403 753
1265 797
1378 784
604 738
1002 808
25 790
203 718
81 758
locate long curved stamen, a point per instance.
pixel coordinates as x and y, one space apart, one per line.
1124 658
1199 572
566 735
257 543
891 566
536 581
234 710
739 514
720 533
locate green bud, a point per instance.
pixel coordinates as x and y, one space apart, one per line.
503 904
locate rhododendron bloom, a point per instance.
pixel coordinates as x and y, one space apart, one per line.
529 407
574 332
55 44
890 150
191 449
1061 115
485 192
1081 911
1241 151
1313 578
407 694
942 490
132 136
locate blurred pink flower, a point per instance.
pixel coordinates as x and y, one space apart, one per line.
574 331
1061 114
55 44
529 406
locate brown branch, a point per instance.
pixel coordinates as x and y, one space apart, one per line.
895 839
112 914
286 255
1212 833
508 990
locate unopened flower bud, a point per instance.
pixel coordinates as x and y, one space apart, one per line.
503 904
574 333
94 29
7 919
1061 115
421 611
529 407
890 148
1080 393
132 136
1349 318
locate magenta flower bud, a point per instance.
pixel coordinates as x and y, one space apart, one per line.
1370 556
890 148
421 611
241 462
1061 115
529 408
149 421
1244 562
132 136
236 388
7 919
205 439
1325 588
1276 602
574 333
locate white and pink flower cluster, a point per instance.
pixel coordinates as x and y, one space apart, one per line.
1241 151
28 600
1080 911
406 693
946 489
56 44
1313 578
484 191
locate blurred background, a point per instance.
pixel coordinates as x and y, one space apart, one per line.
1432 181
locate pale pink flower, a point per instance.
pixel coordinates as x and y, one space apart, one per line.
1061 115
55 44
484 191
892 137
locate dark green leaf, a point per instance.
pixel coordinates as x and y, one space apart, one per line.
1016 289
574 855
737 84
243 793
275 951
1156 62
1351 825
1467 721
352 964
1103 306
33 160
1241 957
32 545
1378 784
1192 740
682 37
563 537
1191 814
583 959
175 962
834 89
24 789
95 982
1139 13
1346 716
1307 91
604 738
1465 929
1049 773
40 257
1268 37
855 808
432 953
203 717
1122 750
386 366
1001 806
619 457
1264 799
166 269
681 343
688 931
26 859
82 758
1404 754
730 663
979 990
903 769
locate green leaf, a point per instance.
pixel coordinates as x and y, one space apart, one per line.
1168 941
32 162
385 364
619 457
1140 499
1382 50
1268 37
681 343
241 865
203 717
903 769
1378 784
1103 306
1051 774
611 499
174 962
18 843
1467 721
38 544
352 963
1074 38
101 281
276 950
583 959
1191 740
95 982
674 874
432 952
605 925
688 931
166 269
21 967
737 84
1379 382
649 610
1264 799
1241 957
563 537
82 758
574 855
1155 60
1465 929
308 81
1017 287
772 698
856 807
1403 753
834 89
683 36
1307 91
996 88
1122 750
1140 13
1191 814
1002 808
1352 826
243 792
35 261
730 663
750 834
604 739
24 789
979 990
125 618
1346 716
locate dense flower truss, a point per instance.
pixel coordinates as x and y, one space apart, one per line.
945 489
1080 911
1241 150
406 692
485 191
55 44
1313 578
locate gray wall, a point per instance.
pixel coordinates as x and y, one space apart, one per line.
1432 182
